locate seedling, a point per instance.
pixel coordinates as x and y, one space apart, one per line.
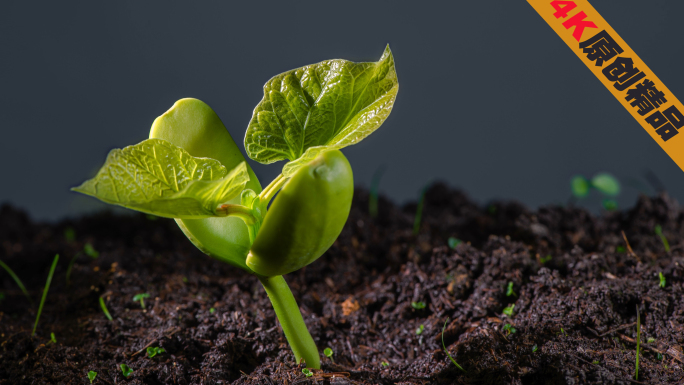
420 329
620 249
373 196
659 232
659 356
126 370
508 310
153 351
45 291
419 212
509 329
603 182
650 340
329 353
141 298
453 242
104 309
609 204
90 251
191 170
91 376
447 351
418 305
638 343
307 372
52 338
535 348
662 279
509 290
544 260
16 280
212 310
595 362
384 364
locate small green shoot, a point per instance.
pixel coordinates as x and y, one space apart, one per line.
659 356
212 310
126 370
185 279
562 332
638 342
52 338
91 376
90 251
662 279
420 329
104 309
17 280
610 205
447 351
509 329
384 364
508 310
153 351
650 340
595 362
141 298
329 353
544 260
453 242
307 372
373 198
659 232
69 234
509 290
535 348
620 249
419 212
45 291
418 305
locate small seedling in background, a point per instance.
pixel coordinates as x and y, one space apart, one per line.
307 372
419 212
127 371
418 305
384 364
603 182
508 310
447 351
659 356
69 234
17 280
595 362
153 351
535 348
659 232
141 298
544 260
562 332
509 329
638 342
104 309
185 279
52 338
453 242
509 290
420 329
212 310
662 279
91 376
650 340
90 251
373 197
45 291
610 205
329 353
620 249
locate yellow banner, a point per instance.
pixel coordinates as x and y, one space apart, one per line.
619 68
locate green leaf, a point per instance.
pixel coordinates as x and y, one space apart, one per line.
159 178
580 186
320 107
606 184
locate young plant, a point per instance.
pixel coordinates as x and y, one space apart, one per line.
90 251
509 329
104 309
604 183
659 232
45 291
53 339
141 298
329 353
126 370
447 350
373 196
307 372
453 242
509 290
418 305
91 376
508 310
662 279
191 170
420 329
153 351
17 280
638 343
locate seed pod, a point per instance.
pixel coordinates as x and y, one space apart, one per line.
305 217
194 126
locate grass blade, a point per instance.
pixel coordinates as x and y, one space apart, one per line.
17 280
45 291
638 341
447 351
104 309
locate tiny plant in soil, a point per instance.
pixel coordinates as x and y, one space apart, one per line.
307 372
212 310
140 297
418 305
509 290
16 280
508 310
447 350
153 351
91 376
384 364
650 340
535 348
604 183
191 170
329 353
420 329
126 370
90 251
544 260
53 339
45 291
104 309
638 343
659 232
509 329
453 242
662 280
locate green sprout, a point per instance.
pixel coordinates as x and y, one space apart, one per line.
307 372
329 353
153 351
52 338
508 310
16 280
91 376
45 291
447 350
140 297
509 329
662 279
418 305
419 212
509 290
420 329
212 310
373 197
544 260
620 249
595 362
104 309
659 232
384 364
90 251
603 182
126 370
453 242
217 200
650 340
609 204
535 348
69 234
659 356
638 343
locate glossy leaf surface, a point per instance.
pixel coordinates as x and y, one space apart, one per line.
606 184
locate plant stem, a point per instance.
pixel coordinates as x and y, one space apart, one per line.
287 311
270 191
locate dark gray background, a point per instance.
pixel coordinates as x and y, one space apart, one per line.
490 99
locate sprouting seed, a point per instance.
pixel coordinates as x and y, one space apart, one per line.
153 351
307 372
650 340
384 364
91 376
535 348
543 260
141 298
508 310
52 338
17 280
662 279
418 305
638 341
659 232
45 291
620 249
453 242
329 353
610 205
509 329
420 329
659 356
126 370
509 290
104 309
595 362
90 251
212 310
447 351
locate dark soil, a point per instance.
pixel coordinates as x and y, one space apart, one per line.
577 293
